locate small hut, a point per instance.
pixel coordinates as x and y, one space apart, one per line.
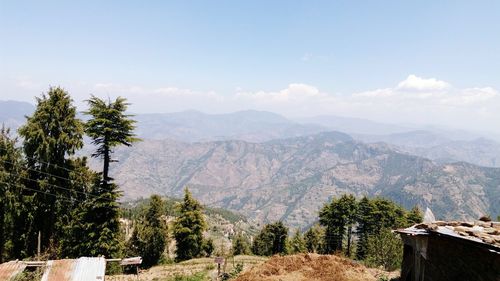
467 251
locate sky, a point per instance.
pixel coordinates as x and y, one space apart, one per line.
419 62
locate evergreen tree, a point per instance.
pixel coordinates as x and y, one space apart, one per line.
385 249
149 238
387 214
51 135
414 216
208 247
313 239
11 200
338 218
376 215
80 233
366 226
108 127
188 229
241 245
297 243
271 240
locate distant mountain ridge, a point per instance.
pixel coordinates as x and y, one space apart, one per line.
291 179
442 146
192 126
12 113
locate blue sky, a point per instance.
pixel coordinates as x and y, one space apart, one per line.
223 49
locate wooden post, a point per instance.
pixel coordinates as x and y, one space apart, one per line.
39 246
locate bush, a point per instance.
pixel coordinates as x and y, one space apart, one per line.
200 276
385 249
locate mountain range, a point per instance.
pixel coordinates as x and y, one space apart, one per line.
290 179
269 167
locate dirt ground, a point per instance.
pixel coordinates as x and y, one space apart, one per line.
312 267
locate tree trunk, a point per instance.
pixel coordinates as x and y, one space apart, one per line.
349 234
105 170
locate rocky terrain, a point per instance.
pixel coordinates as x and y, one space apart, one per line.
291 179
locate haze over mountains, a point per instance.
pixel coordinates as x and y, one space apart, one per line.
269 167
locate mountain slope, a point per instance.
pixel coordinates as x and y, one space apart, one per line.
438 147
291 179
12 113
191 126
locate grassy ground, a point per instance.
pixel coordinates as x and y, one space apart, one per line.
191 270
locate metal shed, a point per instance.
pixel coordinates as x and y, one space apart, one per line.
10 269
466 251
82 269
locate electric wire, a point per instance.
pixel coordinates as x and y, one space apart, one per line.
60 187
63 198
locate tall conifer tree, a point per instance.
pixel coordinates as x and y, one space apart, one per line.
14 216
109 126
338 217
51 135
149 237
188 229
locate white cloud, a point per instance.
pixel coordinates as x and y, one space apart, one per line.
413 100
413 82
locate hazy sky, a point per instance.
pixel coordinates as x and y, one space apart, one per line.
425 62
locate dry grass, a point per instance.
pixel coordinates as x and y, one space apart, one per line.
190 267
310 267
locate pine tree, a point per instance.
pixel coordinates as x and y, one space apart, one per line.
149 238
188 229
241 245
385 249
366 225
374 216
208 247
11 200
414 216
271 240
108 127
297 243
51 135
387 214
338 218
313 239
80 235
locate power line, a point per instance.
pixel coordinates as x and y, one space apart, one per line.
55 195
41 172
47 163
60 187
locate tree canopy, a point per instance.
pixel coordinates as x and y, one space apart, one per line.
188 228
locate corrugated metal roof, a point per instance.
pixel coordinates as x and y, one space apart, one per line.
58 270
82 269
481 232
89 269
10 269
